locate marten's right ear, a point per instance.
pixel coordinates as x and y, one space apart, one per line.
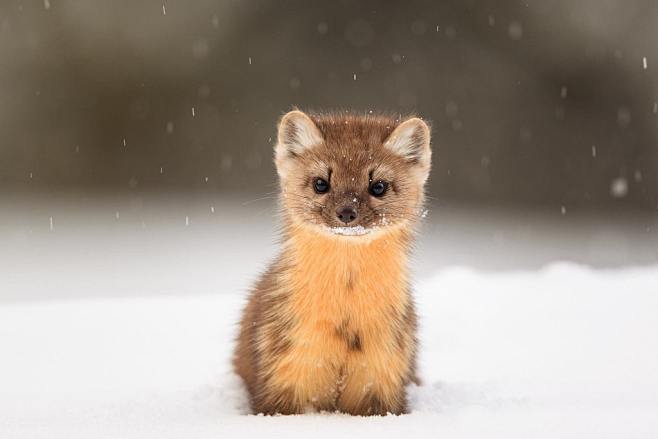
297 133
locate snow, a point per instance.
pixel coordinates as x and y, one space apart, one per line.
619 187
515 30
349 231
110 329
562 352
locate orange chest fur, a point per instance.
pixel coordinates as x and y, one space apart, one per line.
347 298
345 282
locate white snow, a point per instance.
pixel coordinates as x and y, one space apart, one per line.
563 352
515 30
349 231
619 187
125 328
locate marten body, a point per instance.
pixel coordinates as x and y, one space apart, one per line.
331 325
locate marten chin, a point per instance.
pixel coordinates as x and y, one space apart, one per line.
331 325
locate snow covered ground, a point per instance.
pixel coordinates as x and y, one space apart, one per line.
123 327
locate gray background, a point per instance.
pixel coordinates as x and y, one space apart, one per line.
519 93
543 113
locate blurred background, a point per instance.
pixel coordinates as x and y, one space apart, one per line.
136 136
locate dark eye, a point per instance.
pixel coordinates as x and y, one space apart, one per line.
320 185
378 188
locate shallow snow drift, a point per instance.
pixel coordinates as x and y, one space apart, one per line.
562 352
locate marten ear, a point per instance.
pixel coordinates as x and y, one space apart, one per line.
411 140
297 133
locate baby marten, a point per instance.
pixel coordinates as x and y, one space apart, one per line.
331 325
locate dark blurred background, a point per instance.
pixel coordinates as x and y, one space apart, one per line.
532 102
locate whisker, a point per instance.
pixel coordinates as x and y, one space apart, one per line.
267 197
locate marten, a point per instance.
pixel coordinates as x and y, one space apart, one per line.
331 325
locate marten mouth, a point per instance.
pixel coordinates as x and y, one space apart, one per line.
350 231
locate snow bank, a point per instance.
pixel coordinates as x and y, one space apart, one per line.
563 352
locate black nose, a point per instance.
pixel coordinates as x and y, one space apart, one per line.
346 214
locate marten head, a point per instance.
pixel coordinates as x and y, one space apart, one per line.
352 175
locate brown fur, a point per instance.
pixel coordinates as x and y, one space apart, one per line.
331 325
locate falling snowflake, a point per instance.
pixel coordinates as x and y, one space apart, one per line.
515 30
619 187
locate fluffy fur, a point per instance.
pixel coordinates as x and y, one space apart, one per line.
331 325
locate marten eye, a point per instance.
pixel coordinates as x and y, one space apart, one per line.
378 188
320 185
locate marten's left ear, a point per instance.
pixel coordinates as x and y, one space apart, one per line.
411 140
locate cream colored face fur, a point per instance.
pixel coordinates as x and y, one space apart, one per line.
350 159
